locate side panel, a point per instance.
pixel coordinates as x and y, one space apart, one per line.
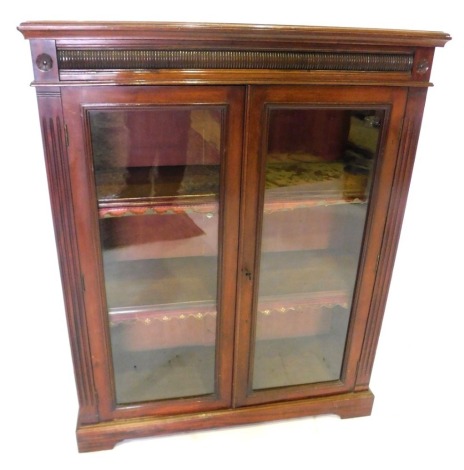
59 180
399 194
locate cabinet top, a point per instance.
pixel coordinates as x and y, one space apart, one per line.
136 53
205 32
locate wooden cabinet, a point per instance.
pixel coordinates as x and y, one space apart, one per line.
227 202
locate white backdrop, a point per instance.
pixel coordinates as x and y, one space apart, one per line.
418 376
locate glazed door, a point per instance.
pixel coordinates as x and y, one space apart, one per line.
161 179
324 161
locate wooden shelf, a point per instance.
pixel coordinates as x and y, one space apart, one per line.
292 181
303 288
194 323
135 185
193 279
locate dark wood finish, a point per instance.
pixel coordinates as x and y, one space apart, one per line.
75 101
55 149
335 45
396 206
106 435
300 36
244 69
392 99
101 59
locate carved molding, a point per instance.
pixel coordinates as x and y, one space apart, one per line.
104 59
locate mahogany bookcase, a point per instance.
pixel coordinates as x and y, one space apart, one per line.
227 202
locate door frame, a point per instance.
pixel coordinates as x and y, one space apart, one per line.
76 102
393 101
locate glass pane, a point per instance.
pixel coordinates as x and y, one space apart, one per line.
157 172
319 165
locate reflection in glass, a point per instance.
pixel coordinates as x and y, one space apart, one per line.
157 181
319 166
